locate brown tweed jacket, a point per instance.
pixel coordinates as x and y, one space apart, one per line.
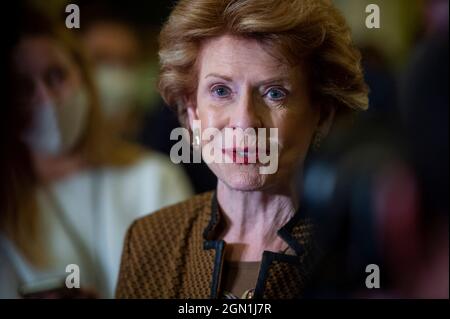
172 254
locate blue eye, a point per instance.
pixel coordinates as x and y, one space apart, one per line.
275 94
221 91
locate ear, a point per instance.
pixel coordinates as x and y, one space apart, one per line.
326 120
191 109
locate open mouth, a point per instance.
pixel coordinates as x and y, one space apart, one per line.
242 155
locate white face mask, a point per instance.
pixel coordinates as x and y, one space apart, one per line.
55 129
117 88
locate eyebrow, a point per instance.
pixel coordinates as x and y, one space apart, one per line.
267 81
216 75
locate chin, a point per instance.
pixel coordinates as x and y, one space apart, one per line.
243 179
244 187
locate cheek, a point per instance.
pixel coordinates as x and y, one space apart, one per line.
295 131
209 114
68 86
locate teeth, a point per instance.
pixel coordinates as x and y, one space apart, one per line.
243 154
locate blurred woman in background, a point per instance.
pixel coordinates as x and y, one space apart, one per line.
125 82
83 187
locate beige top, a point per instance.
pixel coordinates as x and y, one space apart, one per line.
239 277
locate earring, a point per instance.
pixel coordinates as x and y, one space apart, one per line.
317 140
196 137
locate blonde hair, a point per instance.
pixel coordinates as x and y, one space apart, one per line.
313 31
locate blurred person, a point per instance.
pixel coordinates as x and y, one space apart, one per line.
76 188
388 189
115 51
236 65
126 84
424 110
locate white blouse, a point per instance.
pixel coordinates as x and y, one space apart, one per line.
85 219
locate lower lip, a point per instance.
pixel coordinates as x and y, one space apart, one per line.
240 158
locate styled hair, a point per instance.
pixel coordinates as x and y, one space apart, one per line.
309 31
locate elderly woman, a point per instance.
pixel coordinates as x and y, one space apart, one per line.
243 64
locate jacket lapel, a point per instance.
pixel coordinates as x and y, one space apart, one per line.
281 275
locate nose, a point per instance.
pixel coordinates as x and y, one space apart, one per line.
40 93
246 113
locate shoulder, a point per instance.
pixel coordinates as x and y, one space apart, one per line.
172 220
152 169
156 246
151 182
149 163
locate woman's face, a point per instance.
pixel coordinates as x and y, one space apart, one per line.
45 71
240 86
48 84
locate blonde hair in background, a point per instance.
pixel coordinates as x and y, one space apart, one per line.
313 31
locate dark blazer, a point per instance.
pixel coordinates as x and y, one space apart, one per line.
173 254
